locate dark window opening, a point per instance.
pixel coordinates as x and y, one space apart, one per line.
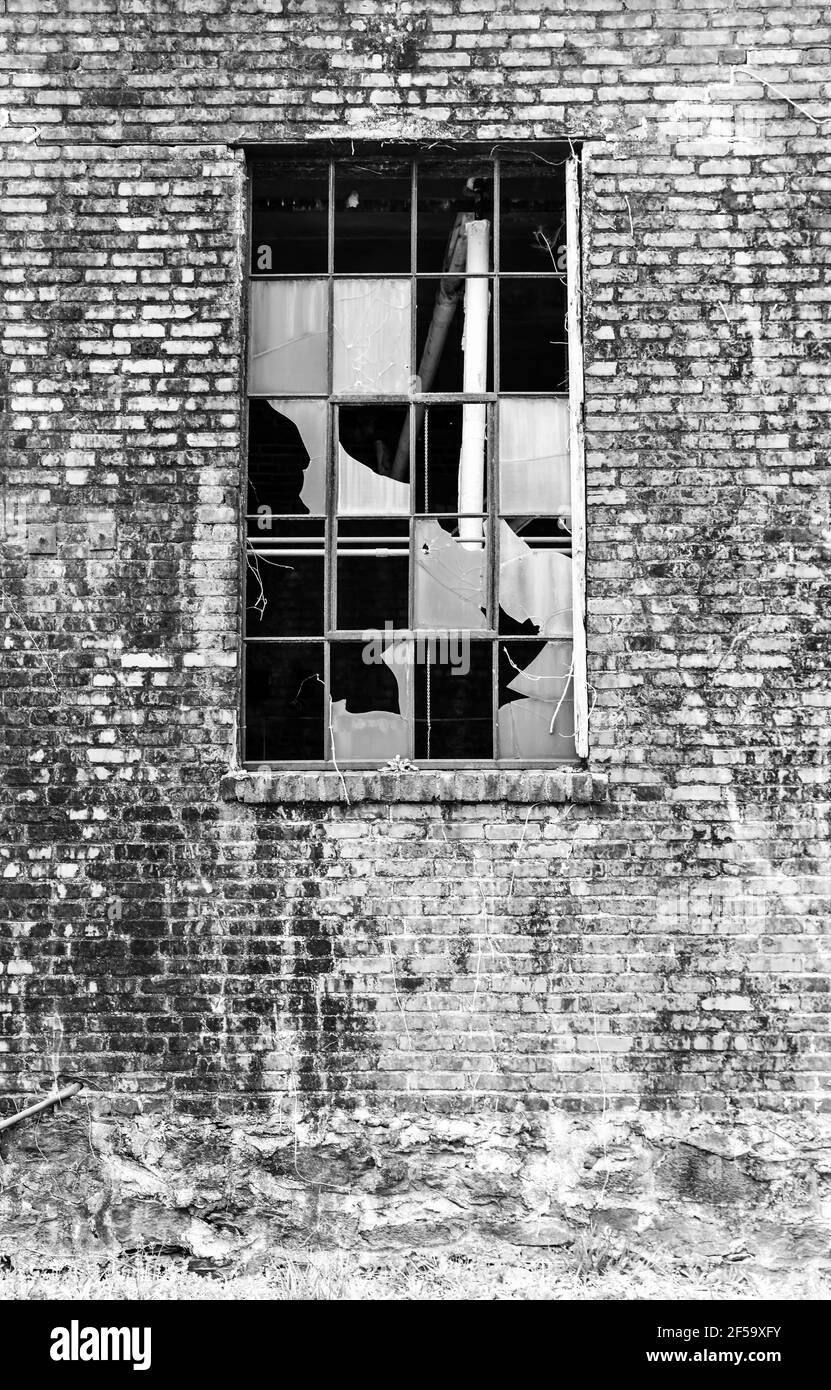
409 528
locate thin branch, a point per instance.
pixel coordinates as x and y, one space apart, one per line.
784 95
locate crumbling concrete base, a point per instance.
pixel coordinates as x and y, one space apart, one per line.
96 1182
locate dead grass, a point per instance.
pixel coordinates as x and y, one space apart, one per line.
590 1273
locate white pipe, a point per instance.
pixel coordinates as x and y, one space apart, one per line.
444 311
30 1110
475 380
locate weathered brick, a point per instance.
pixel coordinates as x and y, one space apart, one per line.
644 934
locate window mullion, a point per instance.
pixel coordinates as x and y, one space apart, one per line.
330 575
410 711
493 464
243 521
492 551
577 463
496 232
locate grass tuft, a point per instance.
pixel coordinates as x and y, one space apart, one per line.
599 1267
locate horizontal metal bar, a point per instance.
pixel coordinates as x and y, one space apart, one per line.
328 147
277 518
420 276
446 765
420 516
401 634
414 635
417 397
380 553
484 635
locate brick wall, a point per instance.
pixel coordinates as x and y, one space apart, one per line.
196 950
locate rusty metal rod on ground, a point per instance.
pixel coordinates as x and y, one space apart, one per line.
41 1105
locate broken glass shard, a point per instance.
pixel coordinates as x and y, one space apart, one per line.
373 471
373 563
371 700
536 708
450 586
535 577
372 336
286 461
369 737
533 456
284 706
288 338
285 580
524 731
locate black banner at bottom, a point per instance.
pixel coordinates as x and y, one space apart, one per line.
76 1342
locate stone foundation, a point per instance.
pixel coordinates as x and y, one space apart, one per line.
104 1184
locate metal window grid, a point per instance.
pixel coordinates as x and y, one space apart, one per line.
548 156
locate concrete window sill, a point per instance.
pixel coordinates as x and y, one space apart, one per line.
555 786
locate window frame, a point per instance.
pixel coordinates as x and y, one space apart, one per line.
568 155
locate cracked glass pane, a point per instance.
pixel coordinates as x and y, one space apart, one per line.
373 463
453 697
286 461
536 708
289 218
372 216
450 575
285 580
284 701
533 456
447 192
287 334
533 353
373 564
372 336
532 228
534 577
371 688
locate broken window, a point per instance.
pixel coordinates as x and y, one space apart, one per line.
371 702
372 216
450 574
414 529
371 578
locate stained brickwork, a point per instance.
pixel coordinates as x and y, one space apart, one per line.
198 949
